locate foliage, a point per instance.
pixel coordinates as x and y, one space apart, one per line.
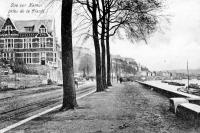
130 69
138 18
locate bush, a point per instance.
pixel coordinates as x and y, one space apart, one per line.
19 67
49 82
23 69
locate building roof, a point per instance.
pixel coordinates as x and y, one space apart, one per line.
33 23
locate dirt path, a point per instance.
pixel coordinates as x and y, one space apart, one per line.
125 108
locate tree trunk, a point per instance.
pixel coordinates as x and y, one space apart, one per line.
103 56
99 84
69 93
108 61
108 46
97 48
103 63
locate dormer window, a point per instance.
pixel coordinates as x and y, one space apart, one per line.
29 28
42 29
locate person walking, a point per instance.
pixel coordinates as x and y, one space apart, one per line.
76 82
120 80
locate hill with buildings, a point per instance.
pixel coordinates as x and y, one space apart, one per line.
121 66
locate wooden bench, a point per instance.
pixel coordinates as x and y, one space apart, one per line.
189 111
174 102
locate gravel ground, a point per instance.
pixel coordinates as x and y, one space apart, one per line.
124 108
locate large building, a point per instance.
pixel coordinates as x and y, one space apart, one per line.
31 41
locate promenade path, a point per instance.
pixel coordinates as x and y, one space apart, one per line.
123 108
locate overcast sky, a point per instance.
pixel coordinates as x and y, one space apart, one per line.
165 51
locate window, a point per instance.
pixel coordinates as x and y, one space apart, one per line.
29 29
42 30
49 42
9 28
18 43
42 42
9 43
4 55
27 58
27 43
19 55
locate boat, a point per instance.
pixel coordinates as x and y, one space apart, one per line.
173 83
191 88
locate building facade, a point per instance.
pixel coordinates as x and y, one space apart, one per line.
32 41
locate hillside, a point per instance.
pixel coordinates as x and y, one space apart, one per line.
80 52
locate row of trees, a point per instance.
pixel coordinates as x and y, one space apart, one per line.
108 18
136 18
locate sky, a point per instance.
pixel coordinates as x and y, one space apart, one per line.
168 49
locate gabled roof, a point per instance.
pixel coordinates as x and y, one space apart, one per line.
42 26
8 22
36 23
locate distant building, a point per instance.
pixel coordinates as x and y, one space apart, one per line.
31 41
123 67
153 73
142 73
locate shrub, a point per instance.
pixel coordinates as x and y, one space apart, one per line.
49 82
19 67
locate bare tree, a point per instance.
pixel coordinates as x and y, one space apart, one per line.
92 12
102 14
107 22
138 18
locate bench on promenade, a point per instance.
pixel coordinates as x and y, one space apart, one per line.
189 111
194 100
174 102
